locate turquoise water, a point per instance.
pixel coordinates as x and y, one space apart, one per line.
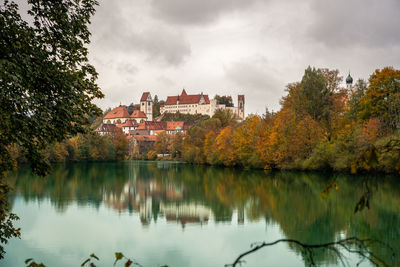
183 215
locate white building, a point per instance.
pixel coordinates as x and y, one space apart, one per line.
199 104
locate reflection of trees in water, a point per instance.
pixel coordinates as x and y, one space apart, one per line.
175 192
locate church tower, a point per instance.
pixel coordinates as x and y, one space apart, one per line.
349 83
241 106
146 105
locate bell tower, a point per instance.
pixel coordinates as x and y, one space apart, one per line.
349 83
241 106
146 105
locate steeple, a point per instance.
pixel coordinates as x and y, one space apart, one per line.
349 82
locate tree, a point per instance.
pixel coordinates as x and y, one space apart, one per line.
176 145
226 116
224 100
317 94
382 98
355 96
46 82
120 143
162 143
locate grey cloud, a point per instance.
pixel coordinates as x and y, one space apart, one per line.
367 23
258 78
195 11
127 68
116 29
252 73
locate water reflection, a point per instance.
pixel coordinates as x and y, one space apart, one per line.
194 195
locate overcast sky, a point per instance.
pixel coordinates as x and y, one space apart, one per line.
230 47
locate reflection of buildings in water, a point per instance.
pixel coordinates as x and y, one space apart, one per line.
142 196
148 198
186 213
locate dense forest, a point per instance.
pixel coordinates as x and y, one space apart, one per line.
320 126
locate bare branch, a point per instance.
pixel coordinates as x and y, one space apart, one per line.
346 244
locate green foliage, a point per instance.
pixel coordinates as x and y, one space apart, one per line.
226 117
225 100
382 98
196 118
317 96
156 106
358 92
46 84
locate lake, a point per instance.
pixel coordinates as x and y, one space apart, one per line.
176 214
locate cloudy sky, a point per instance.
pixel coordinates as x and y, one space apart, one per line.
230 47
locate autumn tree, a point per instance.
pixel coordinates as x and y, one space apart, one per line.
176 145
382 98
120 142
162 143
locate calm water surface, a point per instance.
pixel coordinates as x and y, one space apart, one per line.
182 215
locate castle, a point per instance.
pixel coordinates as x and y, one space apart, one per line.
199 104
142 129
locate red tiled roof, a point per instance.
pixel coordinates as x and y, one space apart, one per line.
186 99
138 114
172 125
129 123
118 112
183 92
151 125
144 97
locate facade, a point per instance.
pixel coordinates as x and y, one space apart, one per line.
128 126
199 104
155 127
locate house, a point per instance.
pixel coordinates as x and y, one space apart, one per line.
155 127
128 126
120 115
117 116
106 128
174 127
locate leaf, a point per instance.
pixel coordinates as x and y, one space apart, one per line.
94 256
86 261
128 263
28 260
118 256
